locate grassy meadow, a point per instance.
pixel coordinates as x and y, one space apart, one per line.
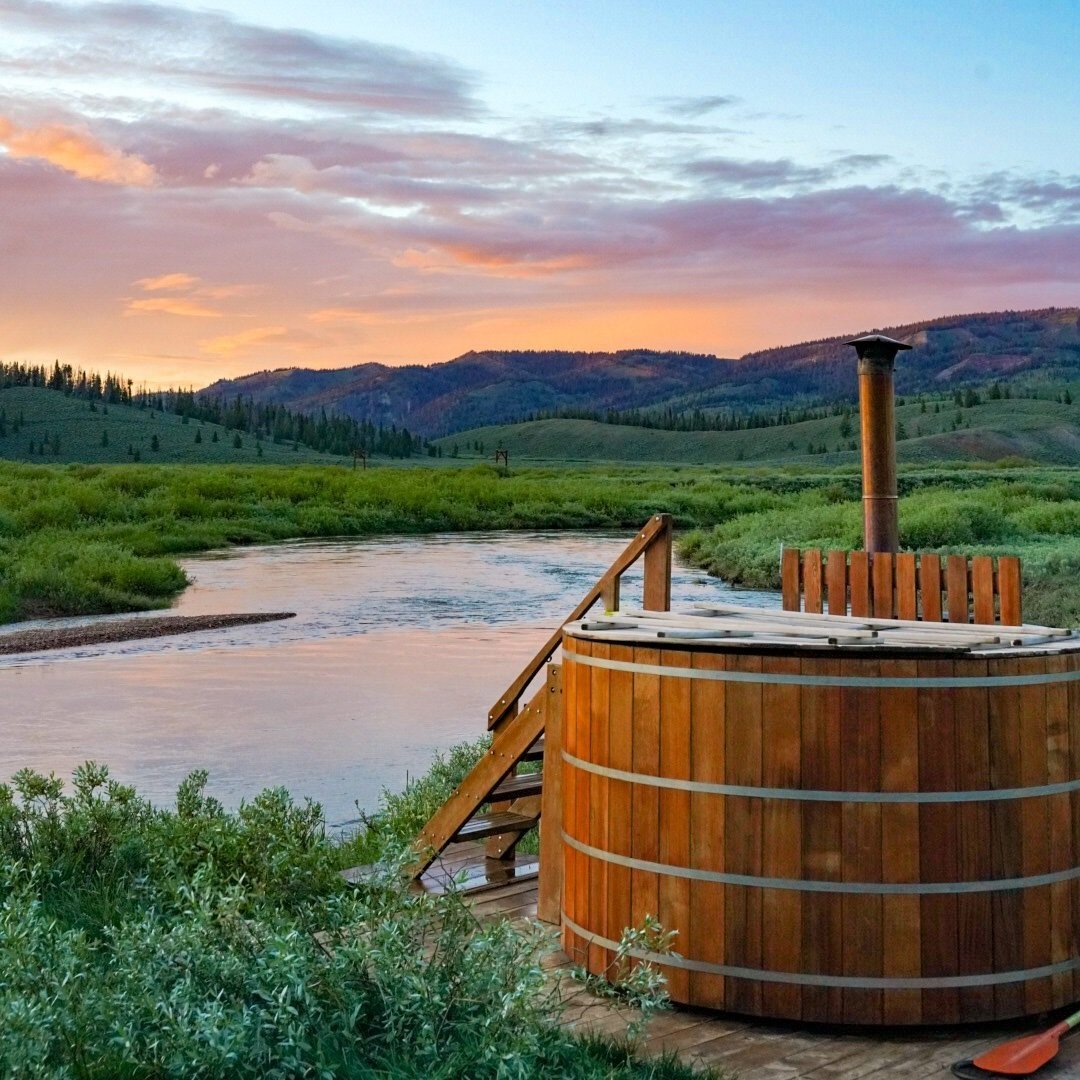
46 426
80 539
1041 430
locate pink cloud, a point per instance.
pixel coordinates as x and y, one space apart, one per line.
212 50
173 305
167 282
77 152
230 345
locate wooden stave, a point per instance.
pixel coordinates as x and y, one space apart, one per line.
730 904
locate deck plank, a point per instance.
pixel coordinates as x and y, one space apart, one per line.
756 1049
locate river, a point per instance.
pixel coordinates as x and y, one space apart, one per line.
398 649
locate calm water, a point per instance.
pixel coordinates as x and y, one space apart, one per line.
399 647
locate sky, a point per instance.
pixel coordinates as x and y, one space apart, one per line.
189 192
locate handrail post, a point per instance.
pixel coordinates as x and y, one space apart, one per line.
549 896
654 544
657 560
609 595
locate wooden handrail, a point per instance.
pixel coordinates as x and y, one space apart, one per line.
516 730
654 542
506 750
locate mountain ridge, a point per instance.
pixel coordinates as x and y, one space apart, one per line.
485 387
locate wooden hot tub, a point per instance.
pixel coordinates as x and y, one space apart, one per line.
846 820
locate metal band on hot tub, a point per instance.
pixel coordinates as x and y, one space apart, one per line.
700 787
872 682
875 888
852 982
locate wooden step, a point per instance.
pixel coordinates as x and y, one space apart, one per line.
465 868
502 821
518 787
535 752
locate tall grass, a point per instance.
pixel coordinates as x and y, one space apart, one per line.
1036 516
82 539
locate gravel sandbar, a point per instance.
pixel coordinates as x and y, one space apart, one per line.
100 633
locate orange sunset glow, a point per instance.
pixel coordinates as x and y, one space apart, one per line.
340 191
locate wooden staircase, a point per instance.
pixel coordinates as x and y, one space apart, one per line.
496 802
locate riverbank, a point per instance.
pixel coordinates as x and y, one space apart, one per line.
101 633
316 702
99 539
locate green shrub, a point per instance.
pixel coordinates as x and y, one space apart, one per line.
137 942
401 815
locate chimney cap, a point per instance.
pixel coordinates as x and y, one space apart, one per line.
875 346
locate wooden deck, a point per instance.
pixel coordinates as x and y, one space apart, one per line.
749 1050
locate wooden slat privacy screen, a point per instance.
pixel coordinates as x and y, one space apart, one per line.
960 588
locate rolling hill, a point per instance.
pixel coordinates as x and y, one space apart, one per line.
42 425
493 387
1042 430
479 387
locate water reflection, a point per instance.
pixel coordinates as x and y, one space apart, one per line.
399 647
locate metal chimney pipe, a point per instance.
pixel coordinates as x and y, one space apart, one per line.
877 355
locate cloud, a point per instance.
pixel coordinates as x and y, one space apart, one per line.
693 107
76 151
505 258
357 317
228 292
173 305
781 172
614 127
167 282
853 163
231 345
217 52
1050 195
755 174
386 188
195 291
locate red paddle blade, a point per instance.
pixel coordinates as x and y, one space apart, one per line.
1021 1057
